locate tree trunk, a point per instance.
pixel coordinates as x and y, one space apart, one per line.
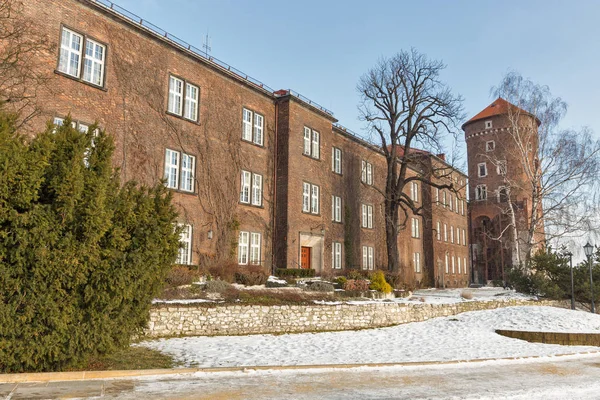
391 235
515 256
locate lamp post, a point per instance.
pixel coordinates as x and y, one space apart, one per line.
570 255
589 250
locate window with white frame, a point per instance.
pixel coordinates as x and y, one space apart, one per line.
462 207
446 262
456 204
367 173
367 216
502 194
501 167
249 248
417 262
251 188
336 255
482 170
444 198
312 142
457 235
180 170
464 237
450 201
437 195
183 99
75 46
488 124
252 127
415 228
439 231
465 265
336 209
336 160
458 261
414 191
368 258
451 234
310 198
255 239
481 192
453 266
184 256
490 145
445 233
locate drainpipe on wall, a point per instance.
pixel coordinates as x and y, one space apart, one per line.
274 212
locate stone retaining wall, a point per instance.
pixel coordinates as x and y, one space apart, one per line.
564 338
202 320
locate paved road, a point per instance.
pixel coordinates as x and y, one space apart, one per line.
560 378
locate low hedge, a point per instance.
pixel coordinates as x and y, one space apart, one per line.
295 273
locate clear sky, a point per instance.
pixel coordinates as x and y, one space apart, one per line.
321 48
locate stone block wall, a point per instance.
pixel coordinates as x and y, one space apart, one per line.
202 320
563 338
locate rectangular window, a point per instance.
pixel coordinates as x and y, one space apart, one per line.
368 256
305 197
315 144
450 201
191 102
465 265
336 255
501 168
255 248
490 145
310 198
446 262
415 228
336 160
243 243
458 260
439 231
175 95
367 173
437 195
482 170
188 166
453 270
183 99
257 189
481 192
307 135
417 262
172 169
444 198
336 208
462 207
252 127
247 125
314 199
414 192
245 187
451 234
70 52
93 63
445 233
184 256
464 235
367 216
251 188
457 235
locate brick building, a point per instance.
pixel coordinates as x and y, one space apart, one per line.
498 185
266 177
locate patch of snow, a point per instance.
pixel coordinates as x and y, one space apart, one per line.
277 280
466 336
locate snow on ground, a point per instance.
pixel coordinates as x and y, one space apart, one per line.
465 336
445 296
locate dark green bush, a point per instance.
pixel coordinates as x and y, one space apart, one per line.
320 286
251 275
295 272
81 257
217 286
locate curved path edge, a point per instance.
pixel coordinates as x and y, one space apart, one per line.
90 375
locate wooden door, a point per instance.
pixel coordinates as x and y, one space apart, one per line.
305 257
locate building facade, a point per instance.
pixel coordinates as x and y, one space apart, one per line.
502 144
265 177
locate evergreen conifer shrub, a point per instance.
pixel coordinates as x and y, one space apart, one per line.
81 256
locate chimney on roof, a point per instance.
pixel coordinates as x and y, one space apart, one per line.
280 92
441 156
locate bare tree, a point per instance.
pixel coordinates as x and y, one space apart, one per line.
20 45
560 170
405 105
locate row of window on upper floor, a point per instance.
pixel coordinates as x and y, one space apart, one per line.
450 201
452 236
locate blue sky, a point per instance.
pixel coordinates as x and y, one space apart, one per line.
321 48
